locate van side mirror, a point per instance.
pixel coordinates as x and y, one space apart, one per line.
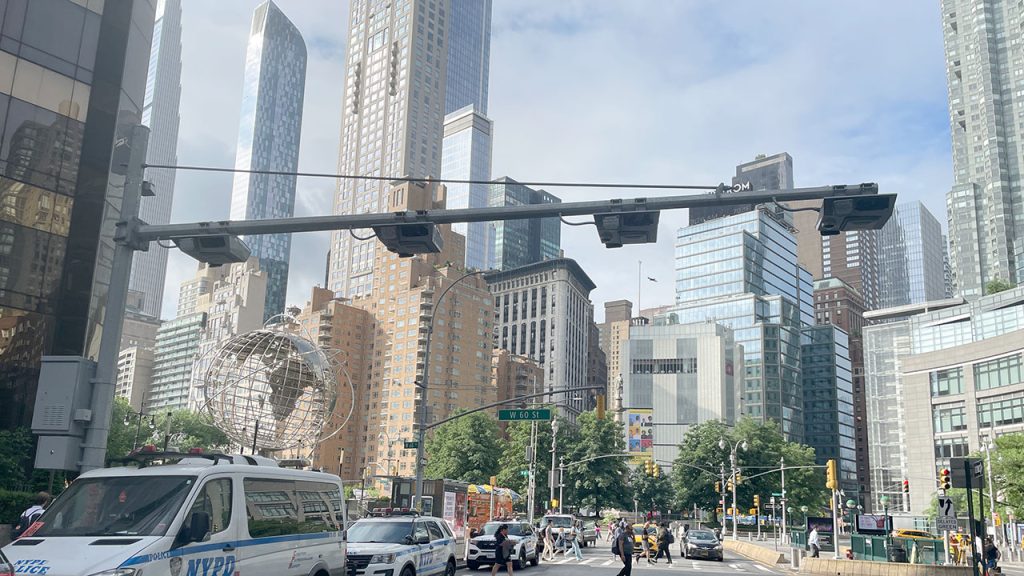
198 527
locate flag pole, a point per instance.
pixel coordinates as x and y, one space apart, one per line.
639 283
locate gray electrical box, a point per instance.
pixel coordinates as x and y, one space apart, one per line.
58 452
63 396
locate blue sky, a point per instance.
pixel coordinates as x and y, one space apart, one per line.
657 91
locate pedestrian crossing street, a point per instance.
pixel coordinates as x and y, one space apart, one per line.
679 565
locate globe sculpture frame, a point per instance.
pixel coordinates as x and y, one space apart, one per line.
270 389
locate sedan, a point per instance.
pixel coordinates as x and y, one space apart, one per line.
702 544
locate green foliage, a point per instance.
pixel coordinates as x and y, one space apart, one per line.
997 285
765 447
121 435
1007 464
513 458
959 497
465 449
12 504
15 457
195 430
650 493
598 483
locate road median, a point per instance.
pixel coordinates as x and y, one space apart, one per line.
755 552
865 568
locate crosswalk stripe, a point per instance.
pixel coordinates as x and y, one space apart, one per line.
608 563
763 569
567 560
588 560
737 567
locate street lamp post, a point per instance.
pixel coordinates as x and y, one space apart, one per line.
554 451
885 516
421 433
138 427
734 472
561 482
851 505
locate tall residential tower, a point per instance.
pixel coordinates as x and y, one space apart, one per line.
268 139
160 113
469 56
985 73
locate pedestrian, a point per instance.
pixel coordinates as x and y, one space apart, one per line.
575 537
665 539
611 530
502 551
645 544
549 542
31 514
624 545
991 555
597 531
814 542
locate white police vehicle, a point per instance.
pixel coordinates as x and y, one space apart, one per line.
199 515
523 536
400 543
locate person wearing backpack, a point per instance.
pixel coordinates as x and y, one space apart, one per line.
30 515
665 538
623 546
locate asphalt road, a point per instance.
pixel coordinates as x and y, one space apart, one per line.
598 561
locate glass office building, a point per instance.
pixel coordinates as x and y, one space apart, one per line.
469 55
911 257
515 243
62 107
160 114
828 402
741 271
268 139
466 155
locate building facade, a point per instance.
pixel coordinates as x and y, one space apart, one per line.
773 172
160 114
469 56
543 311
177 349
516 243
392 119
829 425
677 376
983 70
466 155
268 139
62 107
838 304
741 271
597 369
944 374
911 257
137 354
612 333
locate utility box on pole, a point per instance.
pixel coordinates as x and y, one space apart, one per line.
62 411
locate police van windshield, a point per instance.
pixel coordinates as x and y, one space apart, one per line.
117 506
380 532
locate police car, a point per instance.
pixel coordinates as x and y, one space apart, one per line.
482 548
400 543
189 514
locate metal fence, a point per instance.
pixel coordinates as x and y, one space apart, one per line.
919 551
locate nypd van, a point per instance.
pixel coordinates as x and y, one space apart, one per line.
202 515
400 544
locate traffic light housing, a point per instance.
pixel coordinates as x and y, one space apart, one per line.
757 501
655 470
738 479
831 477
718 487
944 481
728 486
906 486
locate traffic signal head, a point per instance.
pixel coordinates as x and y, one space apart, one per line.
718 486
831 477
906 486
738 479
655 470
944 481
757 501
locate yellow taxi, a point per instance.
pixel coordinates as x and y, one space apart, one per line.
914 534
652 539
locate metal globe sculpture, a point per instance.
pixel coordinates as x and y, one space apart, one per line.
270 389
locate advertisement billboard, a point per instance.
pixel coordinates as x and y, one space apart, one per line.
871 524
640 432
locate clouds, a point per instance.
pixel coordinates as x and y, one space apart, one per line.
604 90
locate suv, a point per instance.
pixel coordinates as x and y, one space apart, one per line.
5 567
522 535
401 545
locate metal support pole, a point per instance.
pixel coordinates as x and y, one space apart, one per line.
782 465
554 459
561 481
531 493
757 520
255 435
968 473
722 493
991 485
94 446
735 514
835 524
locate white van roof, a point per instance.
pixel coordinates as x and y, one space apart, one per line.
205 464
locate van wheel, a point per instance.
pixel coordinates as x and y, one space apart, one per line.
536 558
449 570
408 571
469 564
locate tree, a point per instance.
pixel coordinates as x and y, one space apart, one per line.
1007 463
465 449
600 482
650 493
513 458
997 285
188 430
121 435
759 463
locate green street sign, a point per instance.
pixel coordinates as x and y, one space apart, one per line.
524 473
519 415
410 444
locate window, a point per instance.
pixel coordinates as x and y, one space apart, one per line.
282 507
949 418
420 531
999 372
435 531
946 382
1001 412
665 366
215 500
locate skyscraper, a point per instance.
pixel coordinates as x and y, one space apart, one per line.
515 243
911 257
466 155
160 113
268 139
986 204
62 107
469 55
392 118
773 172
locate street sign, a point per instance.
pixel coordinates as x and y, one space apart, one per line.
521 415
946 517
524 473
410 444
958 472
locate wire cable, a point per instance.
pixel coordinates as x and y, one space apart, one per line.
564 221
423 180
370 237
788 209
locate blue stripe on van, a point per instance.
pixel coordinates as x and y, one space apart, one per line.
146 558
